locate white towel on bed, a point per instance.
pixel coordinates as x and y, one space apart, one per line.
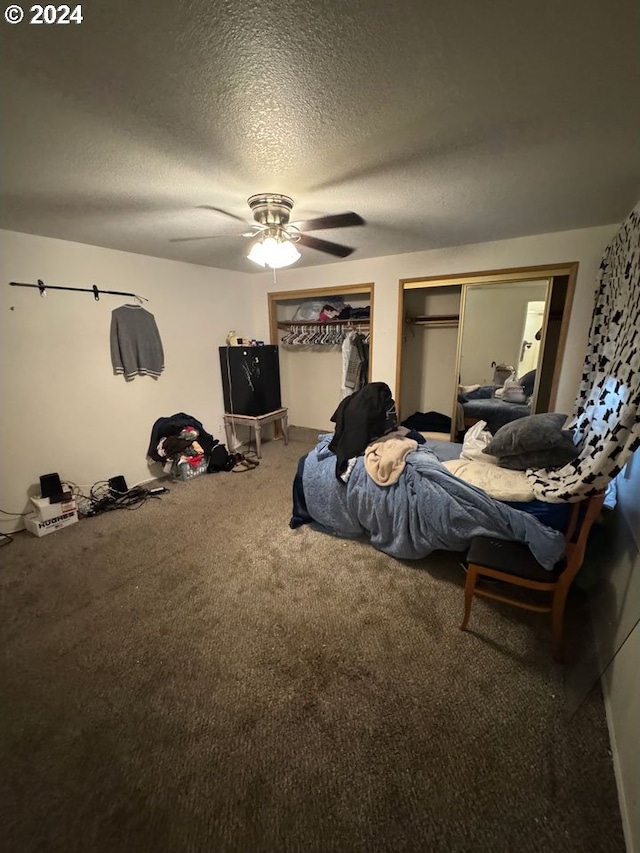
385 459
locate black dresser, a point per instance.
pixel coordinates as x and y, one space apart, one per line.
250 379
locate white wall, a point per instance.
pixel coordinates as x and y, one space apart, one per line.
616 620
63 409
310 384
585 245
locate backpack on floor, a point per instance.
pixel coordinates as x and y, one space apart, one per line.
219 459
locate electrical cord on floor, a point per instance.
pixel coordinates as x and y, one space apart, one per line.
105 499
83 501
6 538
101 498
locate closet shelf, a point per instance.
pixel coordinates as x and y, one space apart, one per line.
435 320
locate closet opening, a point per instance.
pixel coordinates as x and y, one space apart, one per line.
310 345
460 337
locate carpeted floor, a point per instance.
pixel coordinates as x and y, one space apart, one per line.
195 676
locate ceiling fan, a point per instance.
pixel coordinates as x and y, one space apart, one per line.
274 237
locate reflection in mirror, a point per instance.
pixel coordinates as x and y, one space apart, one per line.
499 326
531 336
500 351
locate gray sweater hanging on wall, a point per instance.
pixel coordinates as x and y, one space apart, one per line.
136 348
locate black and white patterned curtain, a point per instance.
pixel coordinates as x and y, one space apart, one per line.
606 415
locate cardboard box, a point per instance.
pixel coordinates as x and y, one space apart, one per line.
45 510
39 527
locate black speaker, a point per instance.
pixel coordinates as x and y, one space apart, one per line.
118 484
250 379
50 486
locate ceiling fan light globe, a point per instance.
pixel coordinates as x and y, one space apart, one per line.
256 254
283 254
273 253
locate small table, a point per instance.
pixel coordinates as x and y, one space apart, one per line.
256 421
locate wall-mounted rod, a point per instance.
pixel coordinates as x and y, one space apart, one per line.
42 287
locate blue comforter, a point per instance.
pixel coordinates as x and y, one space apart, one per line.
426 510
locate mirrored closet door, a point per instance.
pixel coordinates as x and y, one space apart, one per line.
461 337
501 328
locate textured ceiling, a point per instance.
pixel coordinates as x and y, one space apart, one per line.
439 123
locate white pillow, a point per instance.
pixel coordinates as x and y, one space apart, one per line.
500 483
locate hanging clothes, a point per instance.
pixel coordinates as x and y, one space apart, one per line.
347 386
606 416
355 363
362 346
136 348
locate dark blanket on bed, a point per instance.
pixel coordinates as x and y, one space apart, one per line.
426 510
482 392
495 412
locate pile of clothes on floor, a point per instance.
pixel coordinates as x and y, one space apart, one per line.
181 439
181 449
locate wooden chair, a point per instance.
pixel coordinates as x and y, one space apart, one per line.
513 563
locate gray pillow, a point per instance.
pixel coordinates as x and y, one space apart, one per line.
554 457
528 382
533 433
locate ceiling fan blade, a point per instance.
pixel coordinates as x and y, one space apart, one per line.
338 220
220 210
206 237
324 246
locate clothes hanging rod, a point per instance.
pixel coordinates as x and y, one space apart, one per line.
286 323
42 287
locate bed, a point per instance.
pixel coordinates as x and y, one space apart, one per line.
481 405
427 509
